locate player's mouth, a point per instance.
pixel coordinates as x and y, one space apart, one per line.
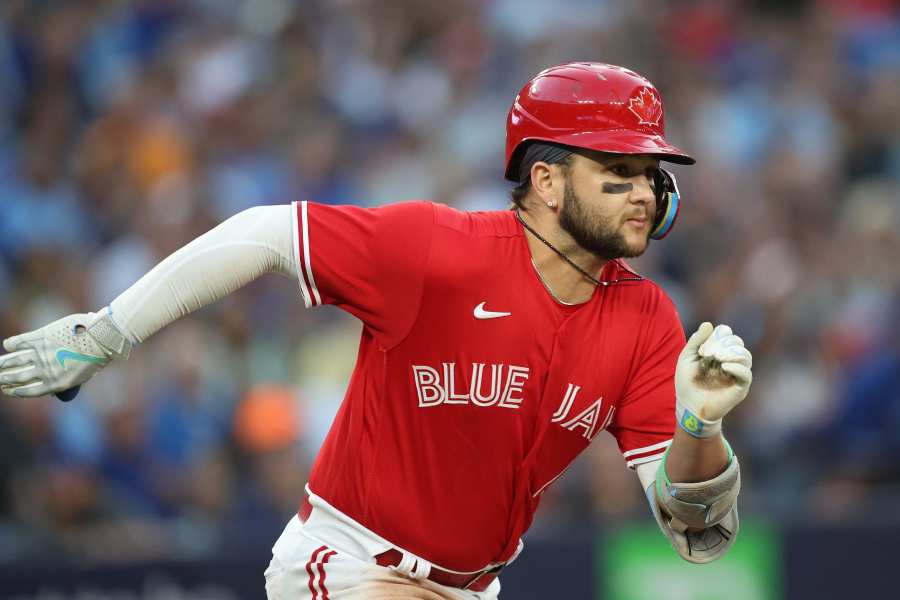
639 221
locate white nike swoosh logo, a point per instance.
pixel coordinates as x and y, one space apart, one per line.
480 313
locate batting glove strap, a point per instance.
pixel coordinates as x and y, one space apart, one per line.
105 332
693 424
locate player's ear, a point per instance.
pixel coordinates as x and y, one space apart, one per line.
546 181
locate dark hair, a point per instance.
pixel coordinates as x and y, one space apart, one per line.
518 193
538 151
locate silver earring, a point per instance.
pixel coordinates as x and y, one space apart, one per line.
551 204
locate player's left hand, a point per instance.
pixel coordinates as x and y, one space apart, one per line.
713 376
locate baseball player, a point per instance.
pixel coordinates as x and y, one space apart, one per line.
495 347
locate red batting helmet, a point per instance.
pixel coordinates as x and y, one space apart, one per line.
589 105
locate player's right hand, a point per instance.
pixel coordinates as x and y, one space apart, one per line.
61 355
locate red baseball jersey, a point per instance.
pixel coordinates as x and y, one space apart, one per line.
474 389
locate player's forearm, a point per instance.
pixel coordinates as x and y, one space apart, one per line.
251 243
692 459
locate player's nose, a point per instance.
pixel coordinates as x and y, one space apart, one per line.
642 191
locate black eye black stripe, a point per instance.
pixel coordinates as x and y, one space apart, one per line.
617 188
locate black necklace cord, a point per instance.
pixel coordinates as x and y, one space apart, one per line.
590 277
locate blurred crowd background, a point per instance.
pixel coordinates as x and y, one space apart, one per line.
129 127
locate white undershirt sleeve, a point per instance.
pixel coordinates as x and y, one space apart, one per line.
255 241
646 472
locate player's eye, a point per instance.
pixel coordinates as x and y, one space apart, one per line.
621 170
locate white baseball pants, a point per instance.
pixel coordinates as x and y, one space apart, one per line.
331 557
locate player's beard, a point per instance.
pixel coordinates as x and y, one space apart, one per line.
595 234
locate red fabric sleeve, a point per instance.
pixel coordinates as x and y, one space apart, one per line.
645 420
368 261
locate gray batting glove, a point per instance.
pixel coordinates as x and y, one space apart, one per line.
62 355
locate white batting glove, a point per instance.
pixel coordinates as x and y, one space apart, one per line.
61 356
713 376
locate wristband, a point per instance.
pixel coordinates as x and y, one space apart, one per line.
689 421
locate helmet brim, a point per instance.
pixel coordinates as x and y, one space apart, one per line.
615 142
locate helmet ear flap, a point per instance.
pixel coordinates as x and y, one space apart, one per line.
668 202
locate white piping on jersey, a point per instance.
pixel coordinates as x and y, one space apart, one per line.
664 444
302 277
312 280
644 459
307 282
657 452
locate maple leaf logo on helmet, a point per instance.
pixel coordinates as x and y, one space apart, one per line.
647 107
